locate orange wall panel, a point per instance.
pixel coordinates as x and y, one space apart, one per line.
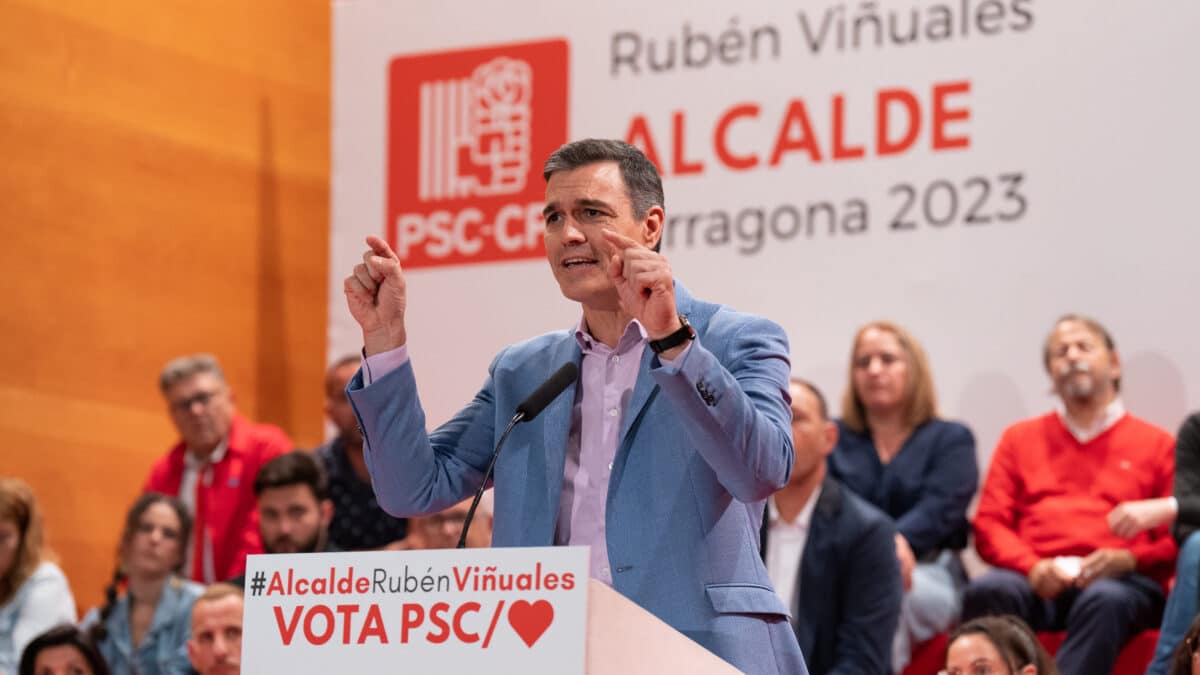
164 182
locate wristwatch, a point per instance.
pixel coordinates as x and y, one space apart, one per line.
675 339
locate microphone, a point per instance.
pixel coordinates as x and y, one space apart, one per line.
528 409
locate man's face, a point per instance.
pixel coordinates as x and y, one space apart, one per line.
216 643
337 405
812 435
202 409
442 530
291 520
579 205
1080 364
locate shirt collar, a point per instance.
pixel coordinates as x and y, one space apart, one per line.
190 461
804 518
1113 413
634 335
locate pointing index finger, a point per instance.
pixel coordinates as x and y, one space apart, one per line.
381 248
620 242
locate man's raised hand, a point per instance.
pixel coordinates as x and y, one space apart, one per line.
644 284
376 295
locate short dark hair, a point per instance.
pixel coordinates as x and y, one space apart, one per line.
643 185
822 407
65 635
293 468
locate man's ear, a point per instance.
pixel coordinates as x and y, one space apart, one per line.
326 512
1028 670
652 226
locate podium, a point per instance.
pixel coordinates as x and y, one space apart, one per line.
495 611
624 639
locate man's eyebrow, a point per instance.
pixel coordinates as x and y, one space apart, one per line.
583 203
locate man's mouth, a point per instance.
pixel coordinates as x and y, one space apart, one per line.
578 261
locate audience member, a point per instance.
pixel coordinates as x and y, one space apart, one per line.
996 644
358 521
1184 509
896 453
62 650
293 506
1185 659
144 631
215 647
1042 517
34 594
213 466
443 530
831 555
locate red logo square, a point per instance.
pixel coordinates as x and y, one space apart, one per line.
468 132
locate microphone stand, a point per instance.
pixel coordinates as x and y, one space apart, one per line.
462 539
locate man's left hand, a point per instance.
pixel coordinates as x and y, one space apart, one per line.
1105 563
644 284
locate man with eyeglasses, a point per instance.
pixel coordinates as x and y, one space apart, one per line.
442 530
213 465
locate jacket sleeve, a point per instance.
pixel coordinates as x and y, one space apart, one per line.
871 603
1155 550
996 536
1187 478
737 417
414 472
946 491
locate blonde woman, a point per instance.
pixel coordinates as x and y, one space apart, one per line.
34 595
894 451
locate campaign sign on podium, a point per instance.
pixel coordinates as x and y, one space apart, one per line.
448 611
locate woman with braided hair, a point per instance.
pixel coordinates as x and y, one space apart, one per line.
144 631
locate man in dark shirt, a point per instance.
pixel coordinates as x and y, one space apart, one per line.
358 522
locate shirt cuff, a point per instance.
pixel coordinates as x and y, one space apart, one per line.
672 366
376 366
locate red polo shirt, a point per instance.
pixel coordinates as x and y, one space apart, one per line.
226 509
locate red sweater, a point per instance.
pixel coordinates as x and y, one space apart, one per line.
1047 494
226 509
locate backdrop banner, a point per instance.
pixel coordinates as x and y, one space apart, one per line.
971 169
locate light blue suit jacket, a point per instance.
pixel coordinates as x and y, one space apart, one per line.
702 444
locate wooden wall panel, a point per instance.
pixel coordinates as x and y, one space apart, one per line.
164 171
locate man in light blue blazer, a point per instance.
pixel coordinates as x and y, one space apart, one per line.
660 455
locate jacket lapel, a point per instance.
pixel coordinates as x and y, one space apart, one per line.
556 426
816 581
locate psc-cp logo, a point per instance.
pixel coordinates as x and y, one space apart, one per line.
467 134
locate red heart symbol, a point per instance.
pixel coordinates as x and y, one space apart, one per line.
530 620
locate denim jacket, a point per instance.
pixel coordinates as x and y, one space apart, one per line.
163 650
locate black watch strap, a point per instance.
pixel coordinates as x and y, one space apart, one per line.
675 339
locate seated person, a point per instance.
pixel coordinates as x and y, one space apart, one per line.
1185 658
996 644
895 452
211 466
145 629
358 521
831 555
1183 509
443 530
293 506
62 650
34 595
215 647
1042 518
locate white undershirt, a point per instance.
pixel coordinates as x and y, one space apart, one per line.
1113 413
785 548
187 494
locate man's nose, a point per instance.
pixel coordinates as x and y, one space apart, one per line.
572 233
